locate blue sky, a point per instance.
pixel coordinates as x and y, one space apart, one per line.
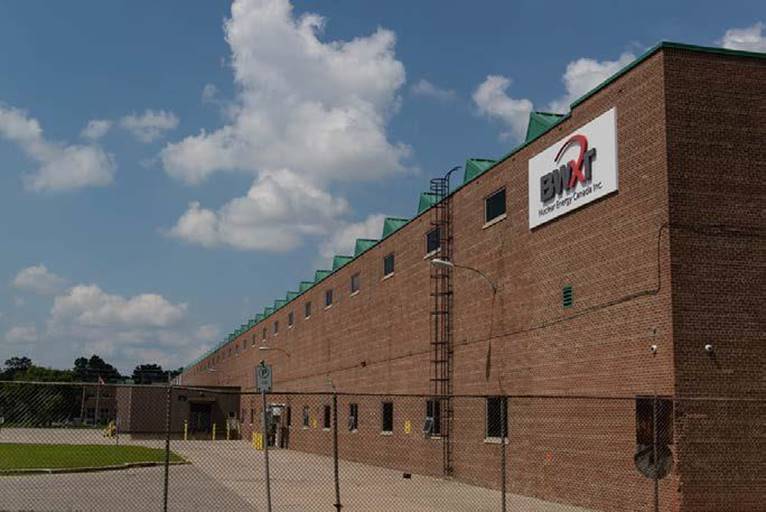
166 173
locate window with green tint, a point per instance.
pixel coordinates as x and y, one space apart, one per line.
494 205
388 265
567 296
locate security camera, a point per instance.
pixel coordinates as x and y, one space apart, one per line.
653 349
708 348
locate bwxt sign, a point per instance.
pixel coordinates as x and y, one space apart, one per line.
575 171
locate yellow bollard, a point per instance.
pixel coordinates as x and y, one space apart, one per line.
214 431
257 440
186 430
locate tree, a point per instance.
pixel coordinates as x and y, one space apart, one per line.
14 366
89 370
149 374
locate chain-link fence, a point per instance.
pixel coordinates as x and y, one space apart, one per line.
83 447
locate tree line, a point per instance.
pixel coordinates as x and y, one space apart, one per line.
85 369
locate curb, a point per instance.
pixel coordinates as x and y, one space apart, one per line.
89 469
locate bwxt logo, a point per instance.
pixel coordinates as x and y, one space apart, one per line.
568 175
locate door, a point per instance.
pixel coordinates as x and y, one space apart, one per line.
199 418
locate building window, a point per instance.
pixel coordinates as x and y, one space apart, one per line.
290 319
353 417
494 206
289 416
387 423
645 421
567 296
276 327
305 416
433 423
307 310
388 265
253 340
252 415
433 241
327 417
264 333
328 298
355 283
497 417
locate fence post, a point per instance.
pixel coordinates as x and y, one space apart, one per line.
168 407
656 463
338 505
266 450
503 462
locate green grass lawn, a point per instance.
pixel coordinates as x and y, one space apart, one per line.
15 456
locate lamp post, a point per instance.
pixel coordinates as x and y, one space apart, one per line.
448 264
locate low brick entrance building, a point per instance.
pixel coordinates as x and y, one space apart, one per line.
617 253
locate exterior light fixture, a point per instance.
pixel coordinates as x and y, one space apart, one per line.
437 262
267 348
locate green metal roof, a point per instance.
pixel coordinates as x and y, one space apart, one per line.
391 224
259 317
291 295
427 200
321 274
279 303
339 261
305 285
475 167
539 122
267 311
363 244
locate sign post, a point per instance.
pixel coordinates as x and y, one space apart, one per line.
263 381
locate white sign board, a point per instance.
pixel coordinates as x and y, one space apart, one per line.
263 377
575 171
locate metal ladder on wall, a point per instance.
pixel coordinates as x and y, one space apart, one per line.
441 320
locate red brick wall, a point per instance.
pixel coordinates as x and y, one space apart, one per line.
716 110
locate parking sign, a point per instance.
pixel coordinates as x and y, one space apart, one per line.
263 377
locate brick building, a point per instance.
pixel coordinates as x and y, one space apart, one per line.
612 273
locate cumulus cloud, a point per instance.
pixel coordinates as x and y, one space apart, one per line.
88 305
37 279
151 125
280 209
315 107
750 38
343 239
428 90
584 74
209 93
492 100
61 167
95 129
22 334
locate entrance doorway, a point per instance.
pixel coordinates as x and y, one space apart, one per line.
278 433
200 418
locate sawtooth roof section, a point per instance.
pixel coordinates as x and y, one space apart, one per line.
321 274
291 295
267 311
391 224
363 244
476 166
305 285
279 303
259 317
427 200
339 261
540 122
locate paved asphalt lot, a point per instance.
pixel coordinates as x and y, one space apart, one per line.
228 476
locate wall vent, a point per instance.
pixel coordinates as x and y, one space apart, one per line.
567 296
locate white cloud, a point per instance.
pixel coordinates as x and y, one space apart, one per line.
96 128
493 101
750 39
61 167
584 74
279 210
209 93
425 88
151 125
22 334
343 239
38 279
315 107
89 306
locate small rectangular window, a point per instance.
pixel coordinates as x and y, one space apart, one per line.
494 205
252 415
328 298
497 417
306 416
353 417
253 343
289 416
355 283
290 319
327 417
433 240
645 421
264 333
276 327
433 423
387 423
388 265
307 310
567 296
